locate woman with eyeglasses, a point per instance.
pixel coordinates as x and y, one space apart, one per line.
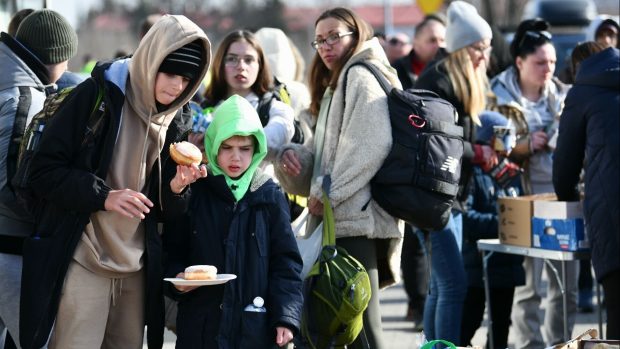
459 78
532 98
352 137
239 67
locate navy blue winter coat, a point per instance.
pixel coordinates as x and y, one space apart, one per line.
251 238
480 222
590 131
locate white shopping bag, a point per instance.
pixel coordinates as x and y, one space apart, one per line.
309 245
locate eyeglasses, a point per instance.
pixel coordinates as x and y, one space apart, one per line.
486 51
233 60
396 42
535 36
331 39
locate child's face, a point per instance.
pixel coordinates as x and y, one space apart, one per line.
241 67
235 155
169 87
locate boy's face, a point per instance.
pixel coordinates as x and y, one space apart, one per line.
235 155
169 87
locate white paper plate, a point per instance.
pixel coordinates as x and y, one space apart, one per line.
220 279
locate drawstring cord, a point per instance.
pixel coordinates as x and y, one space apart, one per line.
161 203
115 282
143 157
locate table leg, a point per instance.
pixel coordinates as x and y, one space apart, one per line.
600 310
562 284
564 301
487 296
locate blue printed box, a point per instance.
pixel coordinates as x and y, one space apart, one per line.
558 225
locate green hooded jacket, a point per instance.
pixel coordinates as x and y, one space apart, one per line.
235 117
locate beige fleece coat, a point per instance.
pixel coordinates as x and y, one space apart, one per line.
357 141
113 245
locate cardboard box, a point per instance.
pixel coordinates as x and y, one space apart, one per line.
558 225
599 344
515 219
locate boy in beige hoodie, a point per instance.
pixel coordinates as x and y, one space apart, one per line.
102 198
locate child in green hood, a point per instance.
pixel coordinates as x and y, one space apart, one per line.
238 222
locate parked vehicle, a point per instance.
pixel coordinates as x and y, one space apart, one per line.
569 20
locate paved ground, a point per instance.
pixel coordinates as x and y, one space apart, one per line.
400 335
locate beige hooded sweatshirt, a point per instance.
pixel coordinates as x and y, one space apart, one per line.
113 245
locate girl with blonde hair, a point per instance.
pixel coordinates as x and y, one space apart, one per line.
459 78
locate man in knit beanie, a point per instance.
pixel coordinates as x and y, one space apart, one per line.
48 35
31 63
465 26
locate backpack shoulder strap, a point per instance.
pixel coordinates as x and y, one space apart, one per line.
95 117
19 129
281 91
278 92
383 81
264 107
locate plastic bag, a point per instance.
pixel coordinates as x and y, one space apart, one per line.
309 246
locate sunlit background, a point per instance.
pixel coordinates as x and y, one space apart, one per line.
109 27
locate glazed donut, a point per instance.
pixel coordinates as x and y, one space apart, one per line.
200 272
185 153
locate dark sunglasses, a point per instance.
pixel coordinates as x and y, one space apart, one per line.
533 37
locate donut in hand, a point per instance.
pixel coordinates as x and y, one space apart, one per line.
185 153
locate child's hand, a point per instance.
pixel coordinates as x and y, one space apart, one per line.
184 288
187 175
283 336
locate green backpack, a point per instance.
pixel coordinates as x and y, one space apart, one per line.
337 291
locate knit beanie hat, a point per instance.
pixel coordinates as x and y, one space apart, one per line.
48 35
465 26
185 61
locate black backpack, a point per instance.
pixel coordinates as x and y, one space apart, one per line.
419 179
280 93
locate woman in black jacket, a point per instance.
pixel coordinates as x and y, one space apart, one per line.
459 78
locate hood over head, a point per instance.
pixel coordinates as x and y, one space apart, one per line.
596 24
601 69
235 117
277 50
168 34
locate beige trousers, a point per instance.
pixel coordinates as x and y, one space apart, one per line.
99 312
